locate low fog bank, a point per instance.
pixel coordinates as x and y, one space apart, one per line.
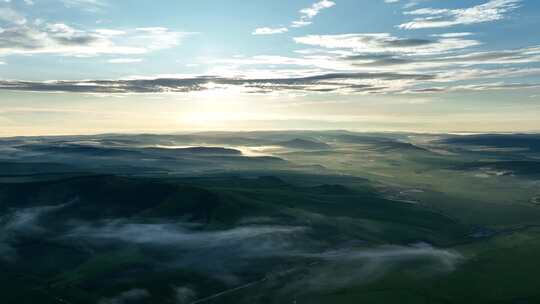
21 222
257 255
347 267
168 234
223 254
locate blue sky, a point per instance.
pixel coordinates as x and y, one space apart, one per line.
165 66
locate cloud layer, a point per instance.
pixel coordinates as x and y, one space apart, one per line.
347 63
19 36
359 82
306 16
435 18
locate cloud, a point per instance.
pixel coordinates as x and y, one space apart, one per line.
20 222
435 18
477 87
446 57
25 220
173 235
343 64
218 253
10 16
472 73
449 66
184 295
413 3
61 39
382 82
496 86
412 62
130 296
331 82
351 267
84 2
270 31
354 63
453 35
524 55
391 253
38 37
386 43
306 16
125 60
87 5
234 249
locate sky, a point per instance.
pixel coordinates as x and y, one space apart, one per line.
103 66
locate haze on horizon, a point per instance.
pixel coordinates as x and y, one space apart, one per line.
102 66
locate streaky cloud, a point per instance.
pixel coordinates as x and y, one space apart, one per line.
440 17
332 81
